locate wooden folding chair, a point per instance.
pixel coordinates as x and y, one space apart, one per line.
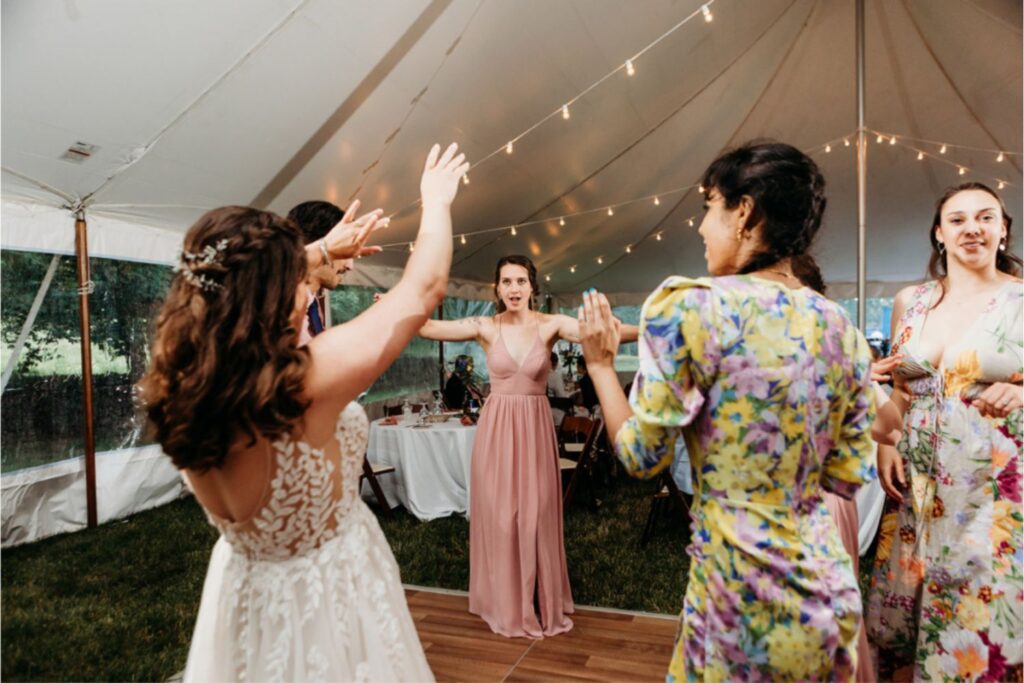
370 472
583 433
667 494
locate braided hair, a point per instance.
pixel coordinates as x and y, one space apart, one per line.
788 192
225 361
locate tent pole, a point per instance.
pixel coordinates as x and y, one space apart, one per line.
862 176
440 351
85 287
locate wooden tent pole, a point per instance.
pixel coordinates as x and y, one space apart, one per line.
85 287
862 176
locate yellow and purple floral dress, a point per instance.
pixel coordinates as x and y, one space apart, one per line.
771 389
946 593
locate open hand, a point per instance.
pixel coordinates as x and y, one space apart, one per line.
1000 399
441 175
599 330
347 239
890 472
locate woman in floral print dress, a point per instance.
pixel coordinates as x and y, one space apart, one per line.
768 382
945 599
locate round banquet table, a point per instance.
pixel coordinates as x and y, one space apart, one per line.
431 477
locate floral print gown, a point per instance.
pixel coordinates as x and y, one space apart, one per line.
770 387
946 589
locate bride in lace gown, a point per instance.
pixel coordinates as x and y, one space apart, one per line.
301 584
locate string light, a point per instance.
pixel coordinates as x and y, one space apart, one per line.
462 239
942 150
600 261
629 249
508 147
658 237
411 247
879 139
547 278
920 156
892 140
1002 184
657 202
561 221
465 179
629 67
828 149
846 142
1000 157
513 231
706 11
962 170
565 112
700 188
572 269
611 211
690 222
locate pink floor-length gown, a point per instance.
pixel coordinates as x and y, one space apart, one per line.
516 553
844 513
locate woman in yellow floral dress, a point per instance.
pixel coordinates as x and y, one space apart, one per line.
945 599
768 382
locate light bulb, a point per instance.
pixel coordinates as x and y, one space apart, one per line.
942 150
561 221
658 237
611 211
600 260
565 112
846 142
879 139
629 249
690 222
920 156
828 149
962 170
706 11
572 269
465 179
513 230
411 247
657 202
629 67
462 239
892 140
1001 184
508 147
1000 157
547 278
700 188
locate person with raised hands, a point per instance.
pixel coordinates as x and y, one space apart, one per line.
301 584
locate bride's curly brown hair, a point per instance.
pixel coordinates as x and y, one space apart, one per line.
225 361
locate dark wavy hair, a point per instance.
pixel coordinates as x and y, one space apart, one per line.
788 192
315 218
225 362
515 260
1006 261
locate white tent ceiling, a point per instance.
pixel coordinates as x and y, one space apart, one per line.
196 104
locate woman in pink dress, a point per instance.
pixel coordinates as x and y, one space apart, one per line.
518 582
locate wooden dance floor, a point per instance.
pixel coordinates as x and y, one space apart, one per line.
602 646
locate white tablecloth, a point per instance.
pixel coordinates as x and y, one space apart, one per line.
431 477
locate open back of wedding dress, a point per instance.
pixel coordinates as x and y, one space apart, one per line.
307 589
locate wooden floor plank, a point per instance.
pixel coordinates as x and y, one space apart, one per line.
603 646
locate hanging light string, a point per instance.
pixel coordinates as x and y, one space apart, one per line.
999 154
608 209
922 154
564 109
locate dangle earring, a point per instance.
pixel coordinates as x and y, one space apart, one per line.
942 248
739 234
1002 244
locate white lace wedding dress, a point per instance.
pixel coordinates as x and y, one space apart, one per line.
307 590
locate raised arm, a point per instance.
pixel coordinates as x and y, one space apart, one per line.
465 329
569 330
348 358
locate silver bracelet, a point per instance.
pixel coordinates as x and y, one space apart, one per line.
324 252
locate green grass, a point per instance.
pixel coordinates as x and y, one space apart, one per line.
119 602
64 357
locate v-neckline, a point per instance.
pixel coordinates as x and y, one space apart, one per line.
519 364
919 329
